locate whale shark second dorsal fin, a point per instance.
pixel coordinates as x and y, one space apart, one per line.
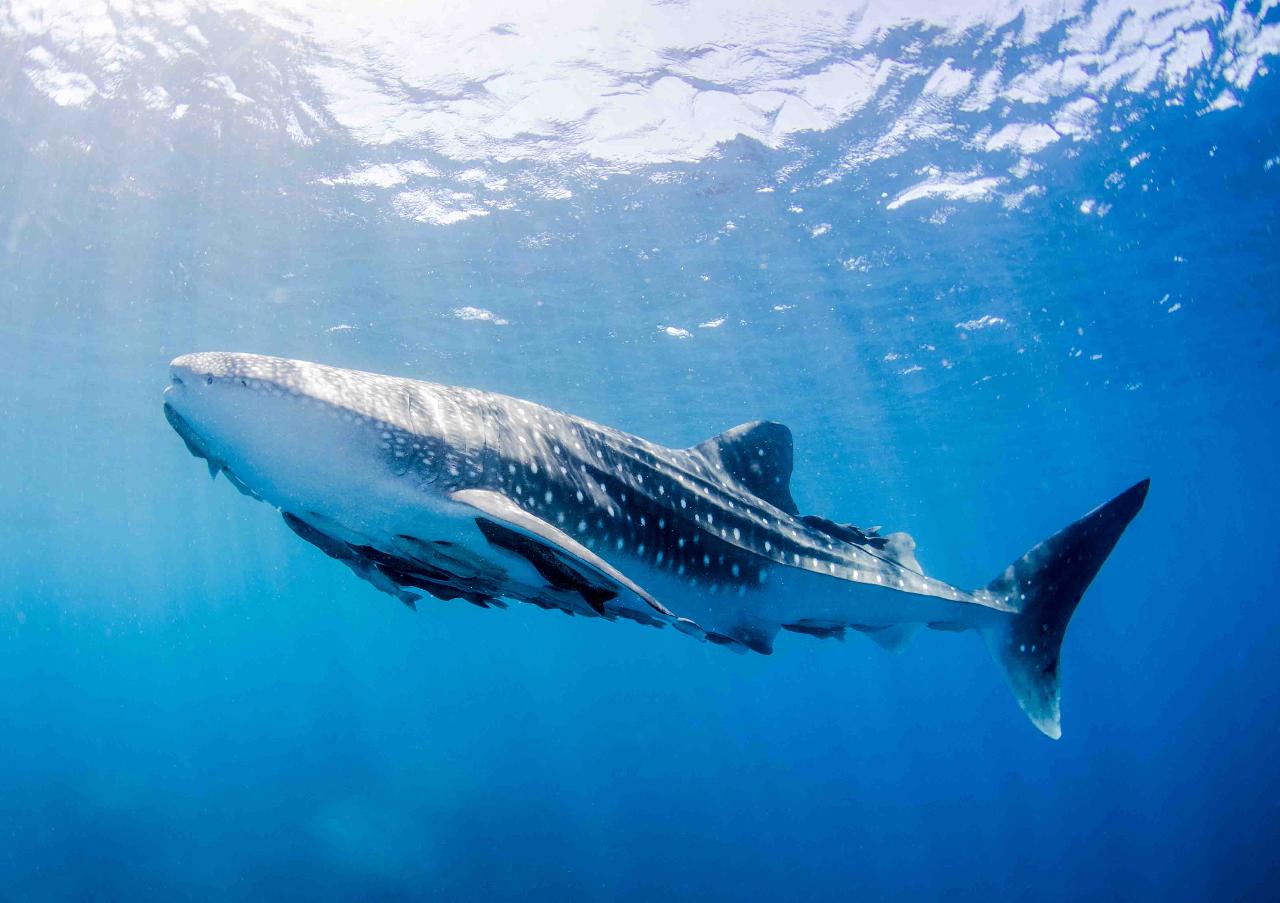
758 457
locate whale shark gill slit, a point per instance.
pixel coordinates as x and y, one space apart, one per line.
430 460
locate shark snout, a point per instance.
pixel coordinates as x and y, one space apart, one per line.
209 403
179 377
196 401
184 378
195 380
292 431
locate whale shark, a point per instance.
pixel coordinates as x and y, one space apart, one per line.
460 494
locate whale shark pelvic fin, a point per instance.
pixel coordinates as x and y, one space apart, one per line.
893 638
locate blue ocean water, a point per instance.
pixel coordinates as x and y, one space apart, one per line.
990 264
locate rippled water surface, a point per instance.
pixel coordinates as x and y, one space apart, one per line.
991 262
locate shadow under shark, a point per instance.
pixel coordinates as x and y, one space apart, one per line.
461 494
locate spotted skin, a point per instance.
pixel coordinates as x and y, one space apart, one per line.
680 512
472 495
671 509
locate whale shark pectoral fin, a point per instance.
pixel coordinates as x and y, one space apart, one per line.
758 456
554 567
497 507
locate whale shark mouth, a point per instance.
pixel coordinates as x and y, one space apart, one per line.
196 445
184 429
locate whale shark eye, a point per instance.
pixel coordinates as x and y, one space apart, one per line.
208 380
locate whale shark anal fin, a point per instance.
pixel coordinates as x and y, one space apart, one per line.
497 507
758 456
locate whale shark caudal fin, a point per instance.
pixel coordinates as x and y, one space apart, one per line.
1042 588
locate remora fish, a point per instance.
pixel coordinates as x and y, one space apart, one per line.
462 494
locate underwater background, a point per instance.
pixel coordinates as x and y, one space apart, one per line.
992 262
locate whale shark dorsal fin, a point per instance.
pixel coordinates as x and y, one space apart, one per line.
758 457
497 507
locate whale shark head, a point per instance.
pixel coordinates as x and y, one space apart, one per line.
306 437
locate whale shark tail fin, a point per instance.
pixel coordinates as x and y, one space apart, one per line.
1042 589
